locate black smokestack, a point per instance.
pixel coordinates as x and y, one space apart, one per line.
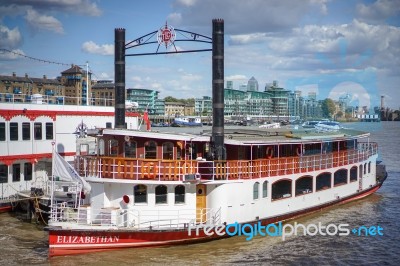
119 68
217 139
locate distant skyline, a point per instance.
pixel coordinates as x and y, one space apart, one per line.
326 46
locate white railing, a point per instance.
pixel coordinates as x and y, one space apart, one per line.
134 219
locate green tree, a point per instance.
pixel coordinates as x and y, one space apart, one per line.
170 99
328 108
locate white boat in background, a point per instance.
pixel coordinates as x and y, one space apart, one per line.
184 121
327 126
28 132
270 125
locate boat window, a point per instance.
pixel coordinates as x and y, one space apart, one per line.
130 149
16 172
26 131
178 152
304 185
13 131
365 168
2 131
282 189
3 173
353 174
241 152
323 181
150 150
340 177
255 190
179 194
37 129
101 147
49 130
360 171
27 171
161 194
113 147
265 189
140 194
168 151
369 167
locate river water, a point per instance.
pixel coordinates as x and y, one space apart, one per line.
24 243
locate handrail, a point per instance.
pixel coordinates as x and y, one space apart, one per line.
132 218
184 170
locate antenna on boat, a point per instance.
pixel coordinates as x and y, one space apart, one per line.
217 151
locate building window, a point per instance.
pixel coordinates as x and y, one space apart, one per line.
179 194
265 189
255 190
130 149
16 173
3 173
37 127
150 150
49 130
161 194
26 131
140 194
28 171
168 151
2 131
13 131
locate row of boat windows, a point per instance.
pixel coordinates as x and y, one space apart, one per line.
16 172
160 192
304 185
150 150
23 129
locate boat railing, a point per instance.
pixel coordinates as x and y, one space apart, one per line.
133 218
192 170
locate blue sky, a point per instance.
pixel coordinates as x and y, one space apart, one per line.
331 47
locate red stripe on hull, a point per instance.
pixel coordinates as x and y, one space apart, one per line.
68 242
5 208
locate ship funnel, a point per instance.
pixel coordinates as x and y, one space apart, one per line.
217 138
119 68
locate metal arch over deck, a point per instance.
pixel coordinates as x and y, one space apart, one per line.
166 35
146 39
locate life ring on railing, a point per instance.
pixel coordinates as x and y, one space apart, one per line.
269 152
299 151
149 170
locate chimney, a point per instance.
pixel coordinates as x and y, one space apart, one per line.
119 76
217 139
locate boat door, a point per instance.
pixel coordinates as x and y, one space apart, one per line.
201 203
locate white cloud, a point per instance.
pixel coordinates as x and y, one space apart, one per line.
11 56
86 7
9 38
93 48
244 17
43 22
236 77
378 11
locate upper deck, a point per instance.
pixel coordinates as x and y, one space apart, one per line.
138 155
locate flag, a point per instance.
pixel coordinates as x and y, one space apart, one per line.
147 120
65 172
